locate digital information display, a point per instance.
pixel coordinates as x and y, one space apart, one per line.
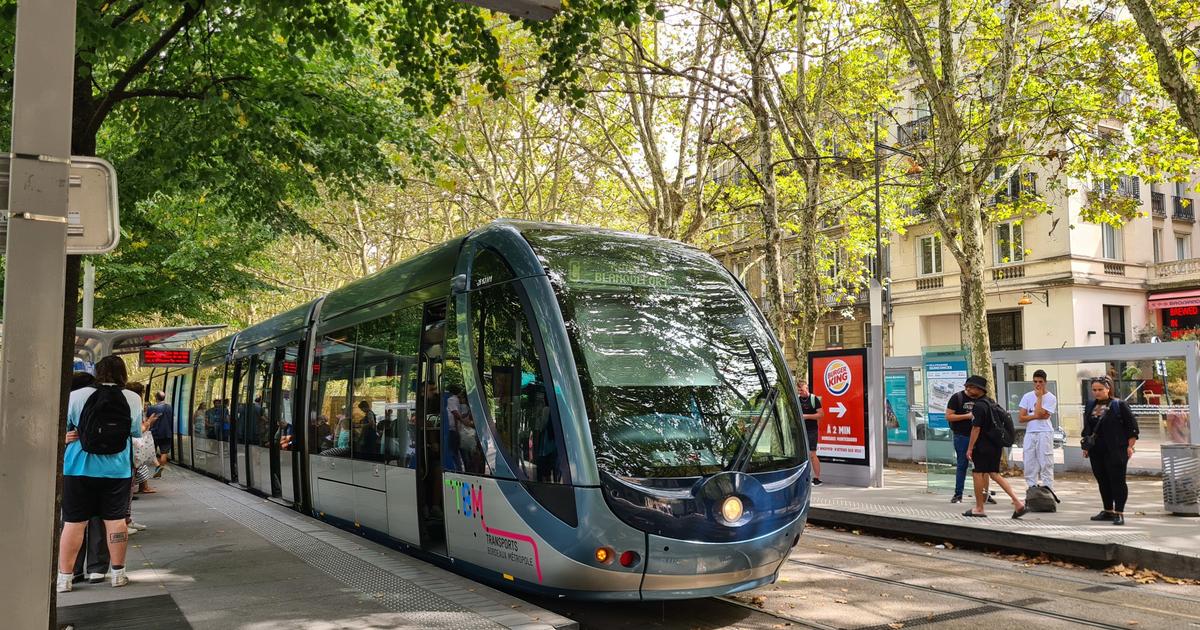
1178 321
161 357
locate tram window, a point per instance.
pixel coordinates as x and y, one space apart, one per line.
245 407
466 450
383 416
287 401
260 407
489 268
203 425
330 433
513 386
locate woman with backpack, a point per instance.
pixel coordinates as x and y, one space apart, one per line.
96 467
1109 433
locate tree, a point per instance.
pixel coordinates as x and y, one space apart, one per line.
236 114
1173 39
1009 86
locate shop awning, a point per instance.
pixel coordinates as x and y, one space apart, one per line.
1175 299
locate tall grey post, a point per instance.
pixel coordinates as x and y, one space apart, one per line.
877 433
33 305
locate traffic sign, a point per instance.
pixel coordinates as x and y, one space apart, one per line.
93 226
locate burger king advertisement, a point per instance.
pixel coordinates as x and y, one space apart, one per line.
839 380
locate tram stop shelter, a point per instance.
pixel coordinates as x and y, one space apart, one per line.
1158 380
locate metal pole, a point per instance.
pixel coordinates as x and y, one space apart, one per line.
35 269
878 431
1192 361
878 223
89 293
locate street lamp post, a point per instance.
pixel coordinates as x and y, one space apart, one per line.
875 388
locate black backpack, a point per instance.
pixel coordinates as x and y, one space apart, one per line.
105 423
1002 433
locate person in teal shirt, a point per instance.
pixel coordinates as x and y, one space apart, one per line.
96 485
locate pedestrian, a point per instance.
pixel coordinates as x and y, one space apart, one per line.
1037 409
1109 435
959 414
162 430
97 467
92 562
812 411
984 452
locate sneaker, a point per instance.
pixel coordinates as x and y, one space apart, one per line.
1103 515
95 578
64 584
1118 519
137 525
132 530
817 481
956 498
119 578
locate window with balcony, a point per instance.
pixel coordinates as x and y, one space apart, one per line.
835 265
1018 183
1111 242
929 251
1183 246
1010 246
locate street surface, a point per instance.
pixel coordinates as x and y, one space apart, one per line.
844 580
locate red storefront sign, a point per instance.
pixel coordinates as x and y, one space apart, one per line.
839 379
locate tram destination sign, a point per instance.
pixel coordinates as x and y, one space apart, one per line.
164 357
92 219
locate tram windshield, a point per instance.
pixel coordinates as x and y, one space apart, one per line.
676 368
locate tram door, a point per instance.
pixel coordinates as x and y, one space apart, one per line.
429 461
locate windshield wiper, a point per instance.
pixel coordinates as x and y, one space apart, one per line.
742 458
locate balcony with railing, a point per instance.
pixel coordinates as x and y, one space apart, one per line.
918 130
1184 209
1158 204
1176 273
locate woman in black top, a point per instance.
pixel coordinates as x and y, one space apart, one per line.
1110 431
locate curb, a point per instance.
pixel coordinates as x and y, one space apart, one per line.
1108 553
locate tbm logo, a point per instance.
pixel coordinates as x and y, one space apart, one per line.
468 498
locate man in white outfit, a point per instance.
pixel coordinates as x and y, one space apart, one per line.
1037 409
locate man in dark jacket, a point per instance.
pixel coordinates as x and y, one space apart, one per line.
162 430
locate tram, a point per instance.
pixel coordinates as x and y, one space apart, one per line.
569 411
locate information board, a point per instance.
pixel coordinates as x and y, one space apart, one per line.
164 357
897 411
945 373
839 380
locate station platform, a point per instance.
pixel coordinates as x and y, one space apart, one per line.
1151 538
215 556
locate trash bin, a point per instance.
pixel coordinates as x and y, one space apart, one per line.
1181 478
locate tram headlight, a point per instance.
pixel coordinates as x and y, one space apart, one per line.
732 509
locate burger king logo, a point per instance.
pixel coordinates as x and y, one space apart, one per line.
837 377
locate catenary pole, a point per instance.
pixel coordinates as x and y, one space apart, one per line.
34 274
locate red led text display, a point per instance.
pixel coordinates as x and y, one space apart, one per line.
159 357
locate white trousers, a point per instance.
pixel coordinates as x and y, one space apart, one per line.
1038 457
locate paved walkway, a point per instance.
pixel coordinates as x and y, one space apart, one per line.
1151 537
217 557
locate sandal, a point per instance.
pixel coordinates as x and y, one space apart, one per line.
1021 512
972 513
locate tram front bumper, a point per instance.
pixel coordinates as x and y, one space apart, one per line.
678 569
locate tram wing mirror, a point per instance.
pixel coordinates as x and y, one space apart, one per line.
458 284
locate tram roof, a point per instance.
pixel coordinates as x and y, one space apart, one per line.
426 269
283 328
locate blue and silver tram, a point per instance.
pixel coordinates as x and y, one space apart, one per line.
567 410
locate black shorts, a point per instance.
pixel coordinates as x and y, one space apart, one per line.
986 457
810 430
163 446
87 497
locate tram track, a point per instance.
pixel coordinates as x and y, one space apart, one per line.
986 601
1090 587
